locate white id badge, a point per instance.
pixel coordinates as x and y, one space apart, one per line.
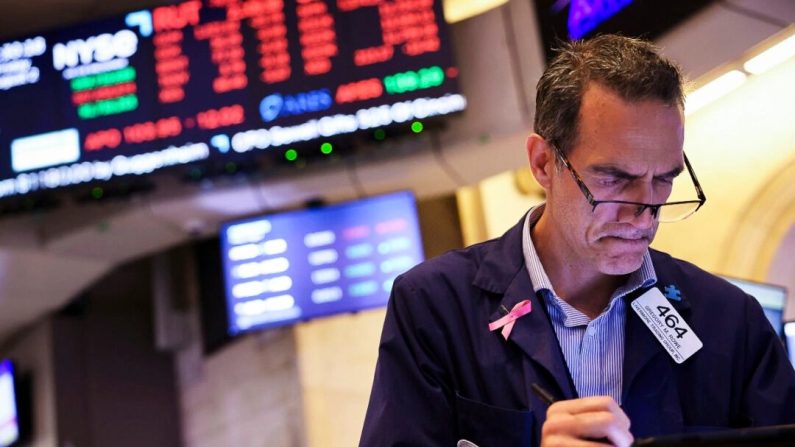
667 325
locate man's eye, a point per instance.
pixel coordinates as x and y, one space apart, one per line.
665 180
611 181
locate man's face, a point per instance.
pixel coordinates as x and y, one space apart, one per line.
627 151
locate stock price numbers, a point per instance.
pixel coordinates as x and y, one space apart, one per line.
188 82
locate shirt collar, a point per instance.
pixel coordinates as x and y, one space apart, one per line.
538 276
642 277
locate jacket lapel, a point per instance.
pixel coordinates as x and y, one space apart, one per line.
503 272
641 347
534 335
649 394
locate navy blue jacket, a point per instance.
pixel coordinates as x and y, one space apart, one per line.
442 376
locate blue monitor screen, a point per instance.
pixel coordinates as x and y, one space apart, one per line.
299 265
771 297
789 338
9 423
569 19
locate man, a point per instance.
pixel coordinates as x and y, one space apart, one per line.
572 300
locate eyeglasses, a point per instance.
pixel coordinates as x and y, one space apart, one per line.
663 212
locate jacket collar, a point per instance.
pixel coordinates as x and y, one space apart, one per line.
502 261
669 282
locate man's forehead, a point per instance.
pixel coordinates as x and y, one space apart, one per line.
629 136
603 112
598 97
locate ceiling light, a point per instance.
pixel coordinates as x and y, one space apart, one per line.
771 57
713 90
458 10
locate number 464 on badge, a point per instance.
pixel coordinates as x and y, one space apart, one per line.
665 323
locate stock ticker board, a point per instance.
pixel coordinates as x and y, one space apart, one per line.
209 80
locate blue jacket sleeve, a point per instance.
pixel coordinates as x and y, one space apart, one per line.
410 403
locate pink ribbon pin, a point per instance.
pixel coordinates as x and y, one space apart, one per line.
521 309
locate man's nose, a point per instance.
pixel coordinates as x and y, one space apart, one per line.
644 216
638 215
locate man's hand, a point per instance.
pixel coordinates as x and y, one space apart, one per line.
590 421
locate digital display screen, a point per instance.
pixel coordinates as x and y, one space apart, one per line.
299 265
562 20
789 339
213 79
771 297
9 420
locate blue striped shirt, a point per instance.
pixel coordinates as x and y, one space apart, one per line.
593 349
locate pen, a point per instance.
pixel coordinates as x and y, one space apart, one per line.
543 394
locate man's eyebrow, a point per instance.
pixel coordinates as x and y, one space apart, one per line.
673 172
615 171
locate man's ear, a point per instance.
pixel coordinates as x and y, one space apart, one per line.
541 159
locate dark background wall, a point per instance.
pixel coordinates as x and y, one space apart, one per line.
112 387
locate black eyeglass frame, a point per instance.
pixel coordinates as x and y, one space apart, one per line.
654 208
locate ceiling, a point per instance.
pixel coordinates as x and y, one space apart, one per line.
46 260
19 18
